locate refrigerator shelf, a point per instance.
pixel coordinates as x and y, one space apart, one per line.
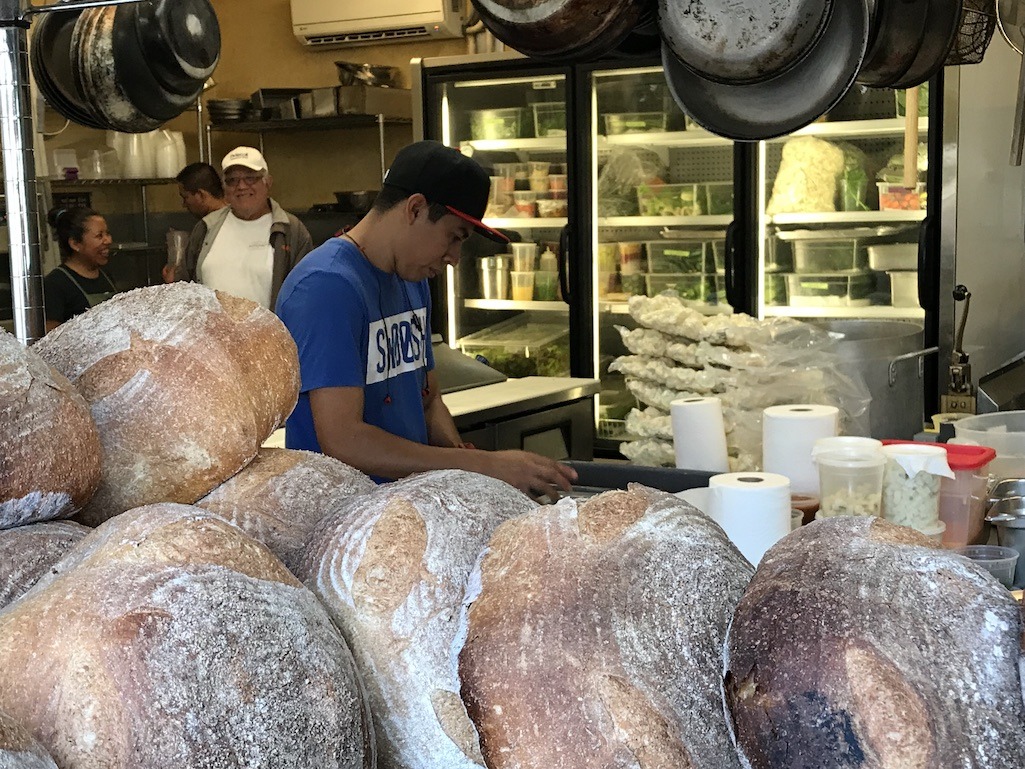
857 129
512 304
892 313
689 138
722 221
546 144
848 217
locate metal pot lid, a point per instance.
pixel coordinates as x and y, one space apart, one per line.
742 41
783 104
941 25
560 29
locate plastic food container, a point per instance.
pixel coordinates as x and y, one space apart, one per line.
522 347
549 119
675 256
557 182
550 208
715 292
776 290
539 175
691 287
608 257
911 500
719 255
525 202
524 256
546 286
819 256
903 288
998 561
522 286
496 123
850 481
635 284
630 258
668 200
718 198
635 122
830 290
893 256
845 443
607 282
895 197
963 498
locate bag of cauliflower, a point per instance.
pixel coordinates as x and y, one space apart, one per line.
807 178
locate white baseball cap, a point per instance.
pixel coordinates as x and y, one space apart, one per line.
250 157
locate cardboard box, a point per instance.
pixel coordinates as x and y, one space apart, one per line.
368 100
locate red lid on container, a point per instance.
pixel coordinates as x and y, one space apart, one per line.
959 457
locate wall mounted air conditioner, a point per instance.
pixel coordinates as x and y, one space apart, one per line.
338 23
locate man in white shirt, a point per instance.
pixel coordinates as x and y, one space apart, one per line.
248 247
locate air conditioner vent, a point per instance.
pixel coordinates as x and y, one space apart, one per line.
355 38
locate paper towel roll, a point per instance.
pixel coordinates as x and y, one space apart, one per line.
752 508
699 436
788 437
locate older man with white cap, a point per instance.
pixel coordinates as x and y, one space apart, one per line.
249 246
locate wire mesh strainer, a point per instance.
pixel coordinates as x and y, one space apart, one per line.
978 22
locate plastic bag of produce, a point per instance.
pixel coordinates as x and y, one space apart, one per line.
807 178
625 170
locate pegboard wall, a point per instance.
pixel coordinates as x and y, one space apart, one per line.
700 164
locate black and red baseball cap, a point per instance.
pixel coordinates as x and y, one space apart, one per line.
445 176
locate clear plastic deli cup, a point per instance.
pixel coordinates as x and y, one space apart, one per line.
524 256
522 286
998 561
962 504
850 482
911 483
844 443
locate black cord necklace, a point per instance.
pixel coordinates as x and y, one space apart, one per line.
414 319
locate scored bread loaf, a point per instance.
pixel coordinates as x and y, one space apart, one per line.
18 749
169 639
184 384
859 644
28 552
49 446
279 497
596 637
391 566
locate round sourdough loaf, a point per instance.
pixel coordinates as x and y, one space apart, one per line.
49 447
169 639
18 749
595 639
28 552
391 566
860 645
279 497
184 384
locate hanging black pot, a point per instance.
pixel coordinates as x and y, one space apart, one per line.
898 32
181 40
51 60
941 25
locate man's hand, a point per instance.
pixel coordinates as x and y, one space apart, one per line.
533 474
167 273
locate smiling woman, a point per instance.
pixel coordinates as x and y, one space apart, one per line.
79 283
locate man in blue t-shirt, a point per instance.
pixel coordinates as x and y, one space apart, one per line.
359 310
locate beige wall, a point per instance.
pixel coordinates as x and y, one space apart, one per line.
258 50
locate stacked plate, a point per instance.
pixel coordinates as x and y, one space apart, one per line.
127 67
230 110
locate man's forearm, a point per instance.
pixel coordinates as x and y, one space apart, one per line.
441 428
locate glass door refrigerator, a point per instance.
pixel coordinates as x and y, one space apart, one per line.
606 192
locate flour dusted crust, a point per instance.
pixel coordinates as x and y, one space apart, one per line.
168 640
28 552
859 645
184 384
281 495
391 567
49 446
596 637
18 750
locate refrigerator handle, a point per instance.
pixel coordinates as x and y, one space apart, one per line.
928 266
732 296
563 263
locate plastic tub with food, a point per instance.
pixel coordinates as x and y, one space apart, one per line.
896 197
675 256
830 290
819 256
549 119
689 287
718 198
548 208
669 200
496 123
911 483
850 481
635 122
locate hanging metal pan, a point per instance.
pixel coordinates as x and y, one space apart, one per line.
743 41
181 40
560 30
787 102
941 25
898 34
50 59
644 39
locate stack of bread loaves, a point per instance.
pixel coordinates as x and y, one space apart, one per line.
168 638
28 552
49 447
392 567
184 384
